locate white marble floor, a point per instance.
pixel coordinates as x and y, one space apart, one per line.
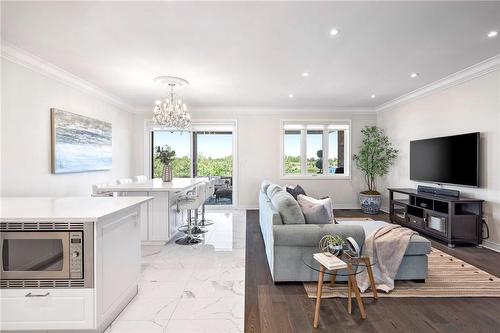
196 288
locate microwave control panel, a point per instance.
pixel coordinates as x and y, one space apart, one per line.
76 255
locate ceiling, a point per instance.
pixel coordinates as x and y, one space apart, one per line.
254 53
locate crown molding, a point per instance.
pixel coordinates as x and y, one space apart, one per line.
271 110
467 74
34 63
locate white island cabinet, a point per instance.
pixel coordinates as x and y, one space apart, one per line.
161 220
111 270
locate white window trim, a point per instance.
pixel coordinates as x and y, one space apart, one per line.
303 147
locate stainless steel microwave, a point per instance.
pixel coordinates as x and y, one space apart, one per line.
46 255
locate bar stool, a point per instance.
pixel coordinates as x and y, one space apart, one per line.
209 193
191 202
99 190
140 179
125 181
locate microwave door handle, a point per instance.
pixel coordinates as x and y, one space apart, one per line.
37 295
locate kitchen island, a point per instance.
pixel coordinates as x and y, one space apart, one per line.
68 264
161 220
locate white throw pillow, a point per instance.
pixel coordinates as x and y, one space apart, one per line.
316 211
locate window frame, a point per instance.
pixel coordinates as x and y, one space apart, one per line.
327 125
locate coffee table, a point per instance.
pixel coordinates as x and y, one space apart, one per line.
348 266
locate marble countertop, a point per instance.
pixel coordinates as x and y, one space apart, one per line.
155 185
68 209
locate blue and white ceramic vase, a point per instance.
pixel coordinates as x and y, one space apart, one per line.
370 203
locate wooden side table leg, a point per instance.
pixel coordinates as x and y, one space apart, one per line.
334 277
370 276
349 295
354 286
318 296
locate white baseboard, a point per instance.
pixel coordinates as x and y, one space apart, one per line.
491 245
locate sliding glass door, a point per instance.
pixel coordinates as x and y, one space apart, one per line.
206 151
213 157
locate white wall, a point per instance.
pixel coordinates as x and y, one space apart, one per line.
27 97
259 152
469 107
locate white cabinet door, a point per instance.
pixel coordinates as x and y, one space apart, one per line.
159 211
46 309
118 261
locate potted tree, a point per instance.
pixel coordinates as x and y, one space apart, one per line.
374 158
165 156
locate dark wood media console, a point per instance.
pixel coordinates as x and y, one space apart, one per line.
453 220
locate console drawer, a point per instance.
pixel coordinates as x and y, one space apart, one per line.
415 221
47 309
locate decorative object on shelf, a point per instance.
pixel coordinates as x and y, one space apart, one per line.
79 143
374 158
171 113
353 248
332 245
165 156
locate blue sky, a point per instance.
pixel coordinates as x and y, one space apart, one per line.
215 146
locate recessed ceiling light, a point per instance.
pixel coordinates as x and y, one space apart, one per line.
414 75
305 74
334 32
373 96
492 33
290 95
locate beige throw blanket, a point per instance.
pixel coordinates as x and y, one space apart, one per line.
386 246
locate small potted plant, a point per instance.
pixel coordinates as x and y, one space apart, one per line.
332 245
165 156
374 158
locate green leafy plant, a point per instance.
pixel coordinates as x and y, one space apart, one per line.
328 241
165 155
375 156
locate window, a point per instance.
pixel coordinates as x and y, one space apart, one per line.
178 141
291 147
316 149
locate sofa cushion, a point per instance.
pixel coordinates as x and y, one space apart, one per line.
272 189
316 211
418 244
295 191
265 184
288 207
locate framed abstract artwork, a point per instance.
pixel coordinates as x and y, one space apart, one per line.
79 143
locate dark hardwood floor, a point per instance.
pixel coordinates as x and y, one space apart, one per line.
286 307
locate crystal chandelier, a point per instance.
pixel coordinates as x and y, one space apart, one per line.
171 113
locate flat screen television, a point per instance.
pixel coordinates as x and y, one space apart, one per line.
446 160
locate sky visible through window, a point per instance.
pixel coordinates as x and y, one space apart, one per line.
292 145
215 146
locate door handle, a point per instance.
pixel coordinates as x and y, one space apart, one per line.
37 295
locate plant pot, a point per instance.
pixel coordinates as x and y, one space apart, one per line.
370 203
335 250
167 173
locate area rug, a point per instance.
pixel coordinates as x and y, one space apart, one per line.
448 277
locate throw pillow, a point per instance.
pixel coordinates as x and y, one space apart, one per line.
295 191
316 211
265 184
288 208
272 189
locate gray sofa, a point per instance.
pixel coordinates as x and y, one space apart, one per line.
289 245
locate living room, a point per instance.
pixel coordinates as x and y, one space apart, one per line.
239 138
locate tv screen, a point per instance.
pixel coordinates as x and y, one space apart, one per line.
447 160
